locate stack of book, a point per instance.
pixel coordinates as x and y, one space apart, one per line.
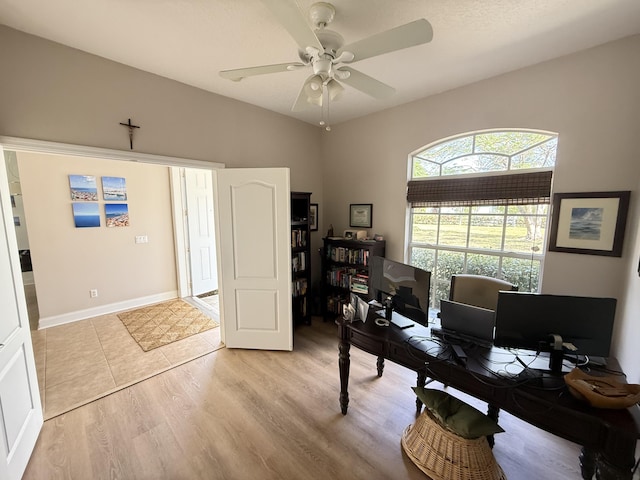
360 284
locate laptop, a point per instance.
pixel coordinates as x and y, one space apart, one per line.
466 322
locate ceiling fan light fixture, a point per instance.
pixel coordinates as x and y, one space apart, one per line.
334 89
313 86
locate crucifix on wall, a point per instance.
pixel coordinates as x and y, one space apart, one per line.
130 126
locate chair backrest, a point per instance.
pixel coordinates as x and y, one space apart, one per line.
478 290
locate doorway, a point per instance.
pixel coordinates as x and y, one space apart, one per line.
176 249
193 196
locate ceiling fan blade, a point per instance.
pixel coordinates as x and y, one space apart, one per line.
239 73
404 36
367 84
291 18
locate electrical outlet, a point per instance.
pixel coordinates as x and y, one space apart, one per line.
93 293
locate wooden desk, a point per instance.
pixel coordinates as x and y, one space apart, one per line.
608 437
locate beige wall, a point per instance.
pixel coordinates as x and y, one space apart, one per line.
70 261
590 98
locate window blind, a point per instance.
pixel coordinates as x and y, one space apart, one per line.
513 189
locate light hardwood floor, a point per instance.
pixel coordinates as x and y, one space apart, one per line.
245 414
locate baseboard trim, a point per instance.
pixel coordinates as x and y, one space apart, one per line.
55 320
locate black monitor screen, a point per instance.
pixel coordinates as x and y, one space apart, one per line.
407 286
527 320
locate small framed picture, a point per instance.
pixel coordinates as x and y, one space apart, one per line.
360 215
313 217
589 223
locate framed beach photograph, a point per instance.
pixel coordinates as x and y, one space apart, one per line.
83 188
360 215
116 214
313 217
85 215
589 223
114 188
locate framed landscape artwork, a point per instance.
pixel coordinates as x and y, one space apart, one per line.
589 223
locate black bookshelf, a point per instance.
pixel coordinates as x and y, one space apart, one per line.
300 257
345 269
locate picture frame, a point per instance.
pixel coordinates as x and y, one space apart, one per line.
313 217
591 223
360 215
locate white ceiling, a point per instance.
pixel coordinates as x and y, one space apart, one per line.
192 40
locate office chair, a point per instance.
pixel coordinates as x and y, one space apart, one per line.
478 290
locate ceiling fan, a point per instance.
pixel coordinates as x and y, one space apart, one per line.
324 51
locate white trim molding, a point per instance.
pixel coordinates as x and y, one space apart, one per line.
42 146
55 320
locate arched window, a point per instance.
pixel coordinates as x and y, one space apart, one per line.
479 203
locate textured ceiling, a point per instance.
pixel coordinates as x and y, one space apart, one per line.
192 40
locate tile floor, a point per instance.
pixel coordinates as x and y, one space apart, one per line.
82 361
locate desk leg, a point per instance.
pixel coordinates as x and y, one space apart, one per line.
587 463
492 413
606 471
343 363
592 463
422 381
380 365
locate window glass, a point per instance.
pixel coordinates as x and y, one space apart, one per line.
475 164
453 229
425 226
540 156
498 241
447 150
488 265
485 232
508 143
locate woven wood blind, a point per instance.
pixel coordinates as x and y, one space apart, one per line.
514 189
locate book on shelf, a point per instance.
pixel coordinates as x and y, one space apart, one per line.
356 256
299 262
299 287
298 238
360 284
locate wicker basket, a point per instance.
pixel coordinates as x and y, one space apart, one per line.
443 455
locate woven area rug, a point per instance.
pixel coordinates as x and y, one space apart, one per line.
164 323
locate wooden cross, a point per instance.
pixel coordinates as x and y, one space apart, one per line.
130 126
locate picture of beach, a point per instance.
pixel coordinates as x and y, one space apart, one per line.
586 223
114 188
83 187
86 215
117 214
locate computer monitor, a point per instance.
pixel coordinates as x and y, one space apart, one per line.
408 287
557 324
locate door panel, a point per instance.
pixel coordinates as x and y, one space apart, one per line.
255 257
202 245
20 407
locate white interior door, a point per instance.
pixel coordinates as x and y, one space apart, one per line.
202 241
20 407
254 257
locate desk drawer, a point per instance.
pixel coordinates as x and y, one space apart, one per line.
369 344
561 421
